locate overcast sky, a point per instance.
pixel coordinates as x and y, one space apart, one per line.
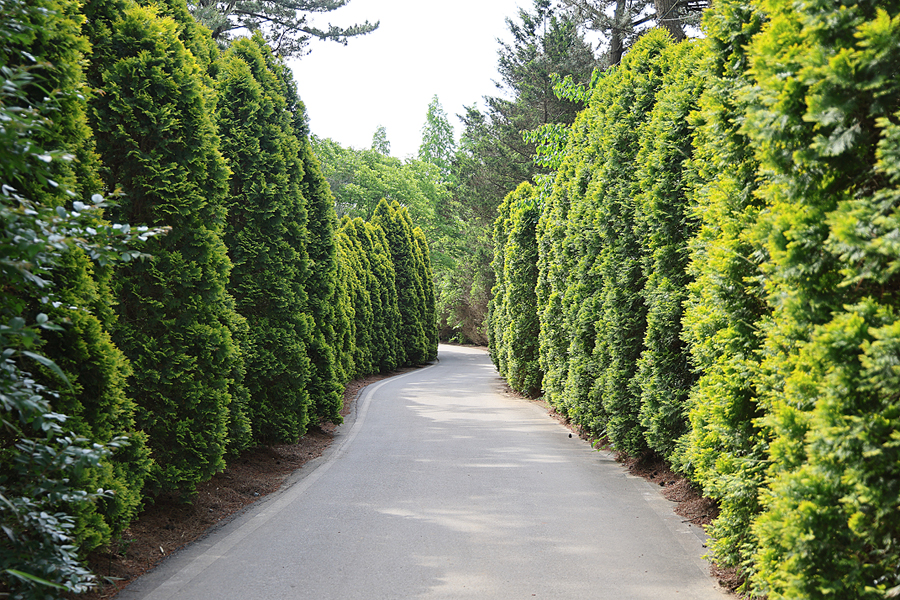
388 77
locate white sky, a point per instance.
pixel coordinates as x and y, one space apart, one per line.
388 77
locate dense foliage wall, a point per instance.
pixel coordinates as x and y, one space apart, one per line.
512 313
141 372
716 282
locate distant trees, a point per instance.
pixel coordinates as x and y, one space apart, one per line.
438 145
493 158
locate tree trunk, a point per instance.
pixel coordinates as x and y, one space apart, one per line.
668 17
616 47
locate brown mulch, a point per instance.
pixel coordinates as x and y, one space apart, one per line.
170 523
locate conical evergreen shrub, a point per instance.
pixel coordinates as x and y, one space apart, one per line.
159 145
96 402
393 219
266 239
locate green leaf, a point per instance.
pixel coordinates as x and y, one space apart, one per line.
47 363
33 578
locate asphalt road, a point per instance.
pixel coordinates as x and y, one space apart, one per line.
442 486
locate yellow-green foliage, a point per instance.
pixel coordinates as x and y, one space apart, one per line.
512 313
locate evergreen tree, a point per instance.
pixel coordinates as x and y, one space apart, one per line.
724 449
393 219
388 351
96 401
265 236
823 122
354 326
159 145
438 145
325 385
284 24
426 274
665 225
513 319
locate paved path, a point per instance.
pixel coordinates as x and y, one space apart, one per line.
442 486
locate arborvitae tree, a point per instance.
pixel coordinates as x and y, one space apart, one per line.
724 449
325 386
557 256
354 326
264 234
96 401
393 219
606 313
159 145
387 345
429 312
498 309
514 321
823 121
665 225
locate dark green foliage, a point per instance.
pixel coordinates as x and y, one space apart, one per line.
266 239
47 470
387 349
512 318
665 225
429 310
325 386
159 145
414 333
96 402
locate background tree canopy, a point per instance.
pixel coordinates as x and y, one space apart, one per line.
286 25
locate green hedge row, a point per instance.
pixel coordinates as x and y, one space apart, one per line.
717 282
242 323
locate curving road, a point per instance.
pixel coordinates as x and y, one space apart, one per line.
442 486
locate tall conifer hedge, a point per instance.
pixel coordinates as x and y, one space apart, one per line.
512 314
266 239
96 401
159 145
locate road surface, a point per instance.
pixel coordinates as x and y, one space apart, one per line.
442 486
